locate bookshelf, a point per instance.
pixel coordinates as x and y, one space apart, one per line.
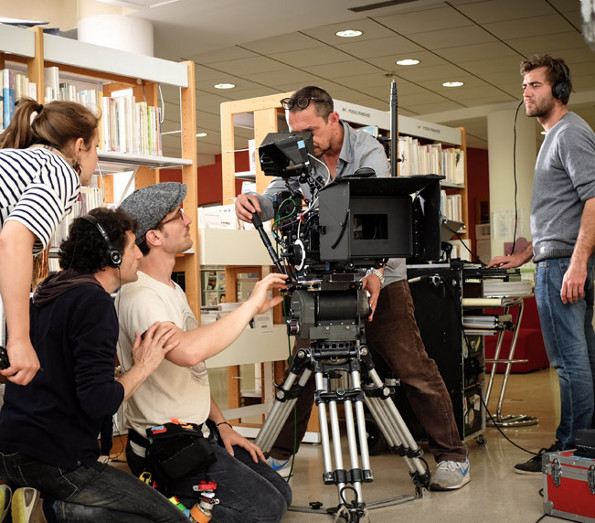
115 70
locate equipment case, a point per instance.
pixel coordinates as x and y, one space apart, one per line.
569 486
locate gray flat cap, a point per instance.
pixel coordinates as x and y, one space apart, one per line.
149 205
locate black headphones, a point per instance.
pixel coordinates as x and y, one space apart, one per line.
561 89
114 256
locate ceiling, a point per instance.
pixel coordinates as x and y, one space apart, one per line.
275 46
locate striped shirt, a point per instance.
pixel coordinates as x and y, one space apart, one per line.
38 189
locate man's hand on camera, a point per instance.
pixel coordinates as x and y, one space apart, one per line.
246 206
372 284
260 293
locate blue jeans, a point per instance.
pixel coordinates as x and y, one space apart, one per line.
248 492
570 345
99 493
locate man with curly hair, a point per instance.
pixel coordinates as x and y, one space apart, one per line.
48 430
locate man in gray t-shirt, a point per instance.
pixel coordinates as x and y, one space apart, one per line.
563 230
391 331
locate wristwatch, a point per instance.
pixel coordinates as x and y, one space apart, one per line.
380 276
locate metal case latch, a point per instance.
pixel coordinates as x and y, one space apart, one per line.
556 472
591 479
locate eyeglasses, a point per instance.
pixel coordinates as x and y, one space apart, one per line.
302 102
179 214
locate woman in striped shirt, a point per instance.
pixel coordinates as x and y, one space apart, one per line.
46 153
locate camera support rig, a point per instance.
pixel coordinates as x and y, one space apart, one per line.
357 223
341 365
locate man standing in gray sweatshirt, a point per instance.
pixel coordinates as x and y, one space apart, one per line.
563 231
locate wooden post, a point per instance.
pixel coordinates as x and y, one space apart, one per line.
190 178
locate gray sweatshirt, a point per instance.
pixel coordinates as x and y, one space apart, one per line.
564 179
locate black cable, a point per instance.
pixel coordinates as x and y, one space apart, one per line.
460 238
121 439
516 185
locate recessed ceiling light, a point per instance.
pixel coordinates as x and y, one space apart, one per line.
452 84
224 86
349 33
407 61
201 135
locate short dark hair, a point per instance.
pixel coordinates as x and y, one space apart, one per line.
557 71
319 98
85 250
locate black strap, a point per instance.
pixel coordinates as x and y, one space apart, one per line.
135 437
106 436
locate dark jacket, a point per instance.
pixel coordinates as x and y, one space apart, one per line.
56 419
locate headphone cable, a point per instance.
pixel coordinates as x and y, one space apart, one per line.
516 185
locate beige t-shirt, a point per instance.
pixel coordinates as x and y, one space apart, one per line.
170 391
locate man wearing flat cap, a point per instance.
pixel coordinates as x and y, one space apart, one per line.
247 488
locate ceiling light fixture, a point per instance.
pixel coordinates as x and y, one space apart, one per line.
407 61
201 135
349 33
452 84
224 86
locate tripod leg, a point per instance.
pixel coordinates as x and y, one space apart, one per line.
396 432
361 428
327 476
284 402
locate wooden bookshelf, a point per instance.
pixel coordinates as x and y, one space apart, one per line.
114 70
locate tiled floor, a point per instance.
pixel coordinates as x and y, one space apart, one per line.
495 492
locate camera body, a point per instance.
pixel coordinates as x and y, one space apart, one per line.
353 223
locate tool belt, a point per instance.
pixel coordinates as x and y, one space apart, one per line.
175 451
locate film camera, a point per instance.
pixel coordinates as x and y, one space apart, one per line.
330 232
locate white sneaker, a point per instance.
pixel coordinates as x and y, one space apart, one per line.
282 467
451 475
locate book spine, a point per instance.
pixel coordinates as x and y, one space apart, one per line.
8 91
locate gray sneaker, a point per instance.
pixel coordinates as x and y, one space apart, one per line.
451 475
281 466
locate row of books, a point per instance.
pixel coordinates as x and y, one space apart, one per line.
451 206
126 126
432 158
13 87
90 198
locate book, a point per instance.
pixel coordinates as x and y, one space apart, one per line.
8 95
51 81
1 103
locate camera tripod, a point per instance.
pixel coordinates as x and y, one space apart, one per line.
338 369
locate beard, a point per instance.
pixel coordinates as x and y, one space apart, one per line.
540 110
